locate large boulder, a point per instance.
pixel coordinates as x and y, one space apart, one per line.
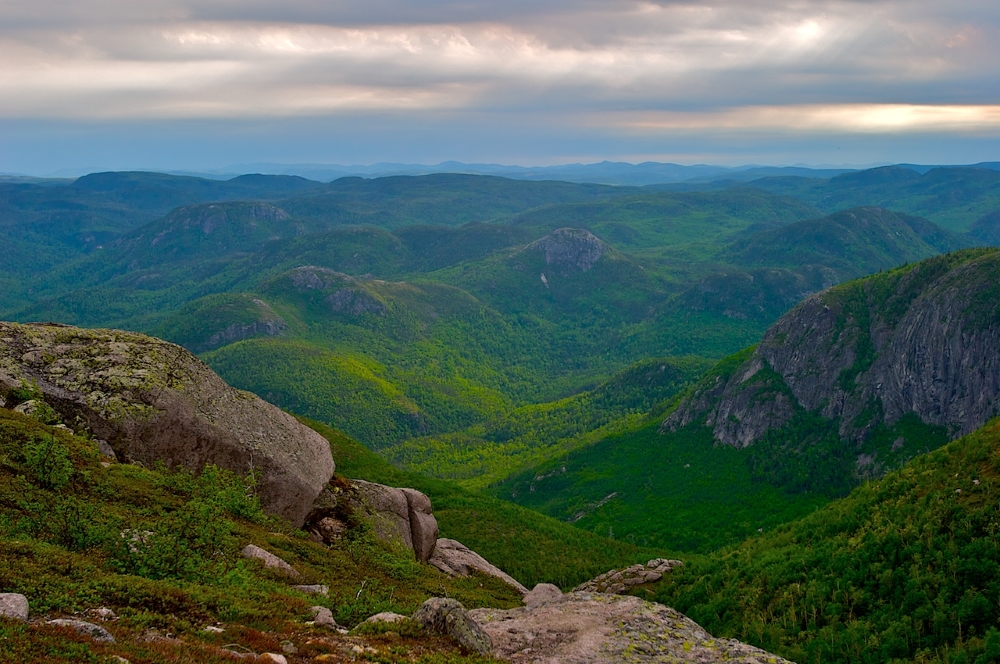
423 525
589 628
402 516
156 402
443 615
385 508
455 559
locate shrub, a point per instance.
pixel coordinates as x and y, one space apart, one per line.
47 459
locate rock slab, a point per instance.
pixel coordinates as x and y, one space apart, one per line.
153 401
14 605
594 628
455 559
271 561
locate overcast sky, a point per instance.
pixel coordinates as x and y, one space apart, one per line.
206 83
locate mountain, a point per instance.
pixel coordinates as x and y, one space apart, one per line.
850 244
569 272
952 197
447 199
917 340
854 382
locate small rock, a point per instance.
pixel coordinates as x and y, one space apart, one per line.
105 448
105 464
272 658
14 605
543 592
323 617
213 629
289 648
28 407
104 613
119 660
96 632
270 560
137 539
447 616
313 589
238 654
385 616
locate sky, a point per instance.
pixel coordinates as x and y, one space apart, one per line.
202 84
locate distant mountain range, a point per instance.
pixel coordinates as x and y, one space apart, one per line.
604 172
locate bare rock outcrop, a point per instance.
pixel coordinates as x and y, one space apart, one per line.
455 559
153 401
618 581
592 628
569 249
922 339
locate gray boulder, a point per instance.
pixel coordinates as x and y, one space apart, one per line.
323 617
156 402
541 593
441 615
14 605
588 628
95 632
386 508
455 559
402 516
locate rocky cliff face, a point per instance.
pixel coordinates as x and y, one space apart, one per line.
923 339
156 402
569 250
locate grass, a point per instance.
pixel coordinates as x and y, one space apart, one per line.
161 549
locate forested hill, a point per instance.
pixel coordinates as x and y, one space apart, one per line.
903 569
854 382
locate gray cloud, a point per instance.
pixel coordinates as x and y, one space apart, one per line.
650 68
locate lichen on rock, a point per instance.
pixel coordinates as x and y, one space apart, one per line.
154 402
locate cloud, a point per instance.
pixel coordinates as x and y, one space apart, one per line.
654 66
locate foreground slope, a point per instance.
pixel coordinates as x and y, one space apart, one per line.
903 569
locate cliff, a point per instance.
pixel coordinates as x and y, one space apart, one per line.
920 339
